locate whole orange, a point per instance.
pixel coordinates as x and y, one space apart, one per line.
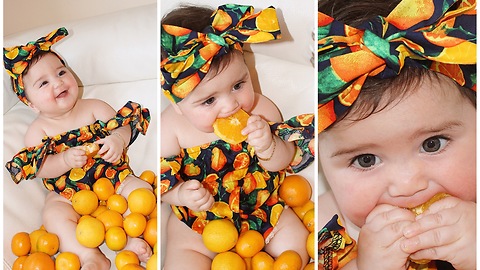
19 262
309 220
295 190
132 266
111 218
262 261
34 237
39 261
67 261
103 187
90 232
288 260
141 201
134 224
249 243
152 262
150 232
125 257
20 244
115 238
310 266
220 235
311 244
48 243
228 261
301 210
148 176
117 203
85 202
100 209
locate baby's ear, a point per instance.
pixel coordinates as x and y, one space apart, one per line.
33 107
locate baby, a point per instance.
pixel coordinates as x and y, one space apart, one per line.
205 77
54 142
397 114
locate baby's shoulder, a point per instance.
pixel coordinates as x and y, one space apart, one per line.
327 208
35 133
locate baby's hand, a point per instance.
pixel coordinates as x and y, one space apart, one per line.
193 195
380 238
113 147
259 135
446 231
75 157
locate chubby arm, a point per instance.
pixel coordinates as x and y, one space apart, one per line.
274 153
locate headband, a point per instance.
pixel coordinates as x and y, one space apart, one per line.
190 53
16 59
439 35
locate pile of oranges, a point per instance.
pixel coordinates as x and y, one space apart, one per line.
245 251
101 221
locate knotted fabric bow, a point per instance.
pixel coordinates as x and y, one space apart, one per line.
16 59
435 34
190 53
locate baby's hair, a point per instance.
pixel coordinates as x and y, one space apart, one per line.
381 91
196 18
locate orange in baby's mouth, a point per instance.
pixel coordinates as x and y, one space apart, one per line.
230 128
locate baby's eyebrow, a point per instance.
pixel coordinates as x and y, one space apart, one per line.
354 149
441 127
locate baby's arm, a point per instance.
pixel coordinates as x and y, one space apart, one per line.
446 231
274 153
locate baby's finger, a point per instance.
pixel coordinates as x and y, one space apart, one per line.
388 214
431 239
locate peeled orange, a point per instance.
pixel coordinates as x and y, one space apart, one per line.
230 128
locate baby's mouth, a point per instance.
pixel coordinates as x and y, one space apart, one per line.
62 94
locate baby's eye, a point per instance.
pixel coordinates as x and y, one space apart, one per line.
434 144
365 161
209 101
62 72
43 84
238 85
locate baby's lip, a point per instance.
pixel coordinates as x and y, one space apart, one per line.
62 94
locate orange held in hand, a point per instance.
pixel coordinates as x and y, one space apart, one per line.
295 190
230 128
91 149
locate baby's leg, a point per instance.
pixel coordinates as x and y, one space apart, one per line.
290 234
185 248
137 245
60 218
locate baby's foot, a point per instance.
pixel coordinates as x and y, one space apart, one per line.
95 260
139 247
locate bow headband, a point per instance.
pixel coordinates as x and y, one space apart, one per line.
190 53
16 59
433 35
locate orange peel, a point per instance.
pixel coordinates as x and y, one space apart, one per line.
91 149
230 128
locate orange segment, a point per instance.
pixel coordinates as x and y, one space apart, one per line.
230 128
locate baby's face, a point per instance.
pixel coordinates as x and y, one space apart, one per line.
219 96
50 87
405 154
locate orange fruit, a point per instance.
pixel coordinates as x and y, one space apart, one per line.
90 232
295 190
310 266
125 257
262 261
230 128
248 263
91 149
85 202
67 261
150 232
19 262
103 188
148 176
48 243
288 260
39 261
152 262
249 243
309 220
115 238
301 210
111 218
220 235
311 245
132 266
100 209
228 261
134 224
21 244
141 201
34 237
154 213
117 203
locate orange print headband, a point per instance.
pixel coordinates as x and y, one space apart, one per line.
437 34
190 53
